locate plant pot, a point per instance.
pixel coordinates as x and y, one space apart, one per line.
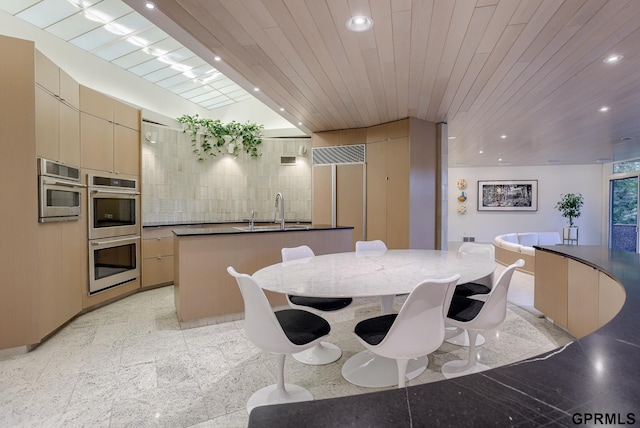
570 235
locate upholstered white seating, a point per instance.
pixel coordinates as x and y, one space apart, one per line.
283 332
416 331
476 316
525 241
512 246
457 336
323 352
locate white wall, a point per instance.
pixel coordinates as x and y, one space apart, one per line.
552 181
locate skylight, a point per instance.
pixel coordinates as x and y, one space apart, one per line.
113 31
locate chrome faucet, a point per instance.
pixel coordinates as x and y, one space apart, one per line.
281 199
252 220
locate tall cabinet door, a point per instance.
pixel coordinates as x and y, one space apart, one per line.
322 210
388 192
338 197
398 188
350 198
377 191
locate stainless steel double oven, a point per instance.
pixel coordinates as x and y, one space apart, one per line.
114 232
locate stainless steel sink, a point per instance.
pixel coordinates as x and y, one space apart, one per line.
270 227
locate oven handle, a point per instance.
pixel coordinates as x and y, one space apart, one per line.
61 183
115 241
98 192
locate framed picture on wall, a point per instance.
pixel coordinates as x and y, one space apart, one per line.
508 195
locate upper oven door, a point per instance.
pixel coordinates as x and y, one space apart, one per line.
59 200
113 213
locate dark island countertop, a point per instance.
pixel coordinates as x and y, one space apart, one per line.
177 224
259 228
595 378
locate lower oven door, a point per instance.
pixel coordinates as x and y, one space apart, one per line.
113 262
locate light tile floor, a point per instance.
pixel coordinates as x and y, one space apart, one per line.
129 365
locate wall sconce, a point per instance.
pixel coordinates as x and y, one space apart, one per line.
151 137
302 151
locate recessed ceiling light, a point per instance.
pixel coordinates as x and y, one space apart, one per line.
604 108
256 89
481 151
150 5
611 59
359 23
299 123
281 108
503 136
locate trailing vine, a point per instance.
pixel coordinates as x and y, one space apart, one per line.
209 137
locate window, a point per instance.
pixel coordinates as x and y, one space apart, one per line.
626 166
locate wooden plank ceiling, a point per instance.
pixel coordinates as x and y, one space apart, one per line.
531 70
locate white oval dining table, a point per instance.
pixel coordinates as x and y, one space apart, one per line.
371 273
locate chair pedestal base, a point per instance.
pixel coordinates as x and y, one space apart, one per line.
461 368
272 395
373 371
322 353
460 337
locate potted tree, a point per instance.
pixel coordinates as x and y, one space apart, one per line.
570 205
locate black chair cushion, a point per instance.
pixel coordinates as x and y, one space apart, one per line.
302 327
470 288
463 309
373 330
321 303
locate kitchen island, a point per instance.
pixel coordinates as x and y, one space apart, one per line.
204 291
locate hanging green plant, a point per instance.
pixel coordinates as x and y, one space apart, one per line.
209 137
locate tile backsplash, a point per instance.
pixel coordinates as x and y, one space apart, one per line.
177 188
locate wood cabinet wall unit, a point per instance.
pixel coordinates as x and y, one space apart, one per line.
339 197
342 137
575 295
109 134
402 184
45 265
157 256
57 114
63 272
388 192
19 292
